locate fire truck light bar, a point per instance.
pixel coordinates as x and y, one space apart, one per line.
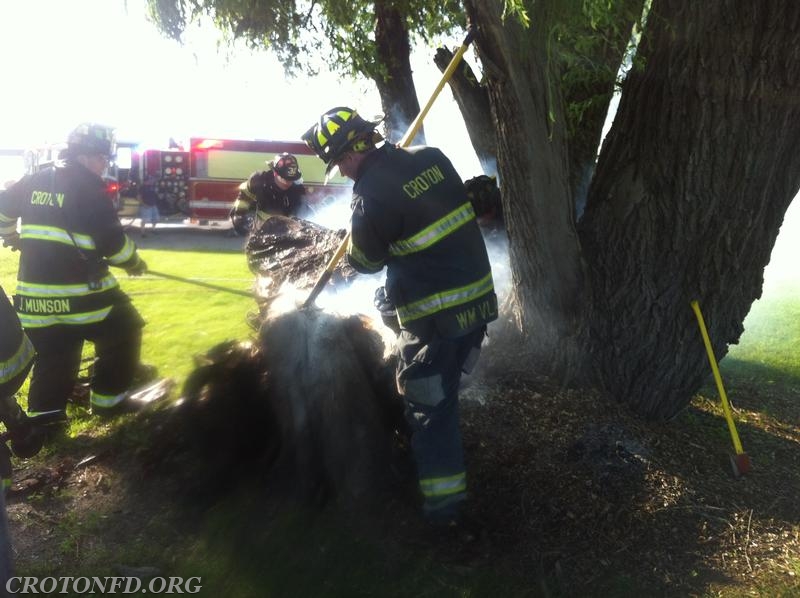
208 144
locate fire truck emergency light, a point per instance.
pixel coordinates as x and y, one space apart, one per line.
205 144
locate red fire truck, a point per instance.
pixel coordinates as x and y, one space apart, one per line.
200 182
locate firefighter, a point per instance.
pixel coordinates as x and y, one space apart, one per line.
69 235
411 214
277 191
16 360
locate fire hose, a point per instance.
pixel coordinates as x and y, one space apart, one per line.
404 142
199 283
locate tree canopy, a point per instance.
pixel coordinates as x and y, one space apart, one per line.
358 38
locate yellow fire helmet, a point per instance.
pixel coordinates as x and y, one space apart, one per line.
336 133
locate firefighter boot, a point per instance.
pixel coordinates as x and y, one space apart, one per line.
24 438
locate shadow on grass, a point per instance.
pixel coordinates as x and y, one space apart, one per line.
258 547
757 387
254 538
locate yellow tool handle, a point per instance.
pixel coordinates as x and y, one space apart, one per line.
326 275
448 72
412 131
737 445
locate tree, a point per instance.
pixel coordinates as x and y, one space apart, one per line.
356 38
686 202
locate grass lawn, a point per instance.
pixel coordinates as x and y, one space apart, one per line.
183 318
187 318
769 350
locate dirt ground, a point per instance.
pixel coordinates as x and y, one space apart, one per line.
566 491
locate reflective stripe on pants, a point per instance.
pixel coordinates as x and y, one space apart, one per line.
428 375
117 342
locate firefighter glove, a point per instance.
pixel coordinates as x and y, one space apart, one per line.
11 241
386 308
484 195
242 223
139 268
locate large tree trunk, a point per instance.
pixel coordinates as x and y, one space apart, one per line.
690 192
395 87
532 162
473 102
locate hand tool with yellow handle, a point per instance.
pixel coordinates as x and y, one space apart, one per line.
740 461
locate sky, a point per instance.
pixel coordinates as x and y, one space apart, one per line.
102 61
68 61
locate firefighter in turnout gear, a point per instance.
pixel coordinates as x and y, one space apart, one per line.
16 359
69 235
277 191
411 215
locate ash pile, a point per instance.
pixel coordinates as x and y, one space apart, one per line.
308 406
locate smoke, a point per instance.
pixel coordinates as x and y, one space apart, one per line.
334 211
497 248
355 298
334 399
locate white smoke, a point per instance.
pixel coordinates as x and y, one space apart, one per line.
497 248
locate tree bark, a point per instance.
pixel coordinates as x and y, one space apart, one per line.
395 86
532 159
690 192
473 102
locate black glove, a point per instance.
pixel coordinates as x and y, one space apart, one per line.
387 310
139 268
242 223
484 195
11 241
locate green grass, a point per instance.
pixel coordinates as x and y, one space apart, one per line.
769 350
183 318
187 318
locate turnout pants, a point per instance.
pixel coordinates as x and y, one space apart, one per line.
117 343
428 376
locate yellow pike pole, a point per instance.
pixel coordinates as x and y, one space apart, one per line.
740 462
410 134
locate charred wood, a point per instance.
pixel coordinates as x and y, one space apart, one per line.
291 249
